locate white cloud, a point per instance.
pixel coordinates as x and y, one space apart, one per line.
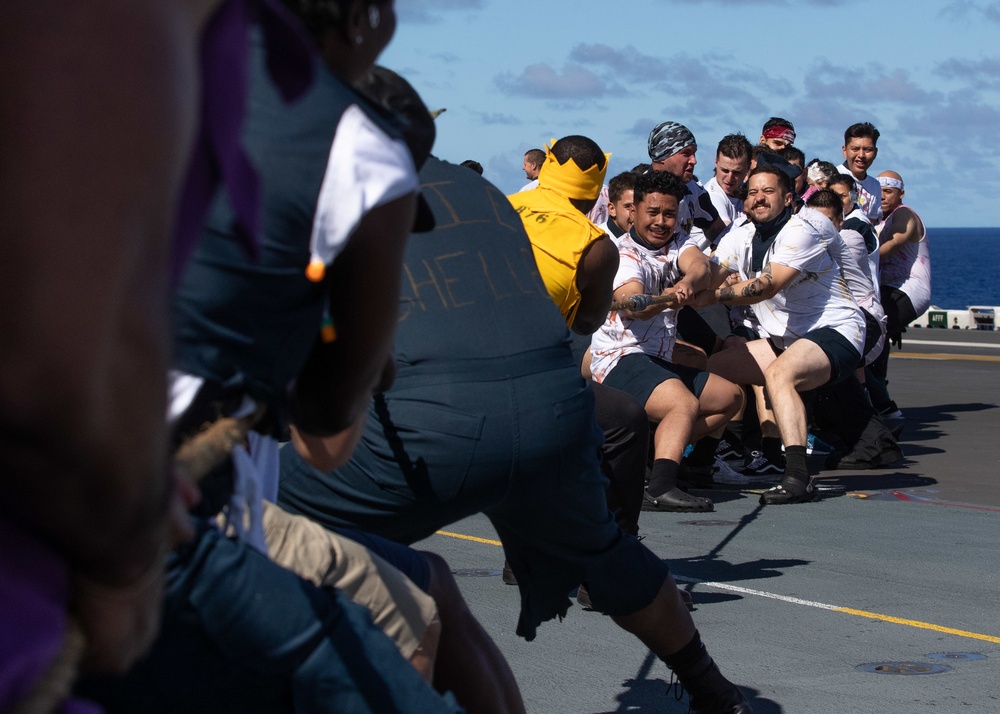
541 81
496 118
825 81
983 73
967 9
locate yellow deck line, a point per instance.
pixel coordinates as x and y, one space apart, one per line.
918 624
487 541
944 356
833 608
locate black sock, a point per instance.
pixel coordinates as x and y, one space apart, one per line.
704 452
770 446
795 463
690 660
663 478
735 430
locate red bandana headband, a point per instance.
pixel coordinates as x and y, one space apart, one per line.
780 132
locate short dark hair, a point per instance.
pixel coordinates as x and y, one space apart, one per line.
621 183
777 121
843 180
791 154
474 165
825 198
783 179
658 182
861 130
641 168
319 16
761 149
536 156
585 152
734 146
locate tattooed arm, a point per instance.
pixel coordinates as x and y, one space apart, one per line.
773 279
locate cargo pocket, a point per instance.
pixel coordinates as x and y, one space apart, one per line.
432 445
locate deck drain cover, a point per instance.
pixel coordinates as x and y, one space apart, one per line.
709 523
475 573
903 668
956 656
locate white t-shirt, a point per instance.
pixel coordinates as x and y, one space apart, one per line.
529 186
620 335
742 315
869 194
856 271
612 230
365 169
599 213
817 297
730 209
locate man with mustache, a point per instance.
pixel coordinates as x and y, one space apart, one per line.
799 295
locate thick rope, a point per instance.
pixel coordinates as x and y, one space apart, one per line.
194 460
629 303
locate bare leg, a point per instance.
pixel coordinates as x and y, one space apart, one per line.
674 409
765 415
469 664
719 402
801 367
424 657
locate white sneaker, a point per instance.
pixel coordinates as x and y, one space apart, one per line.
723 473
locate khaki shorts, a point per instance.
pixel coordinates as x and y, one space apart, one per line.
401 609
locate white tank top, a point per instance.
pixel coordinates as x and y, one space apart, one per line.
909 268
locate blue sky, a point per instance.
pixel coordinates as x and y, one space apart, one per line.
512 74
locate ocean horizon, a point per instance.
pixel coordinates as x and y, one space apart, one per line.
962 261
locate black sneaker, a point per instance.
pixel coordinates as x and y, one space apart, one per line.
729 451
759 467
890 413
696 476
889 454
675 500
508 575
583 598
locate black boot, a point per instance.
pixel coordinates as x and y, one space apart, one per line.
709 691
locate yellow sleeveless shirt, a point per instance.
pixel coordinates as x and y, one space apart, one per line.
559 234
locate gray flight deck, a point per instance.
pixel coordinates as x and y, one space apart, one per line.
897 570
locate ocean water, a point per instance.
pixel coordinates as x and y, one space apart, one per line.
962 265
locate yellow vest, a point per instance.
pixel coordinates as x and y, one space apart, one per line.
559 234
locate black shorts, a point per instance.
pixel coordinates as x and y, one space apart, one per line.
639 374
898 309
745 332
695 330
844 359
